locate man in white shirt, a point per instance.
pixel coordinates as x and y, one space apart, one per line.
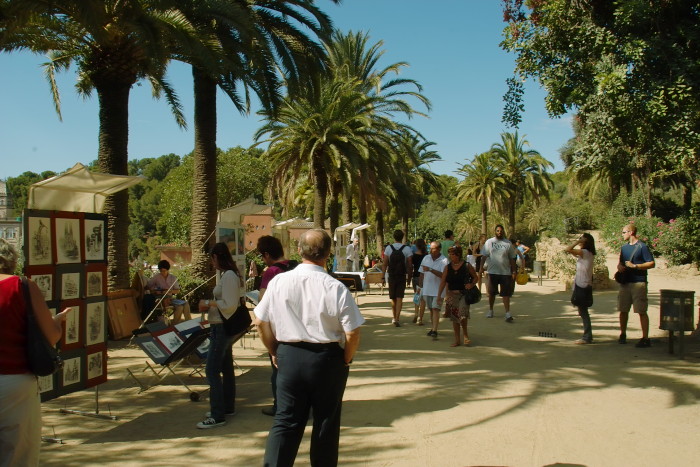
303 319
501 254
352 256
431 269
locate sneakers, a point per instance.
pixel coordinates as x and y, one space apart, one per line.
228 414
489 314
397 324
622 339
643 343
432 333
210 423
415 319
269 411
509 318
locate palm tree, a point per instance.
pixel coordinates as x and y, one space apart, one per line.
114 45
258 39
524 172
484 184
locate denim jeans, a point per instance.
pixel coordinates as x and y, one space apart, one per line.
219 371
586 318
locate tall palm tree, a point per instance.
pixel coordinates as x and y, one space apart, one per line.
259 39
484 184
114 45
524 172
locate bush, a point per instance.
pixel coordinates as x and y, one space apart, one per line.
678 240
646 230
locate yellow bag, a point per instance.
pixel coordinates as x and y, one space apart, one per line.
522 277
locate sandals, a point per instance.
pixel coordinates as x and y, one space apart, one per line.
467 341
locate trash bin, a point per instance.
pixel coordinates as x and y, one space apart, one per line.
539 269
676 310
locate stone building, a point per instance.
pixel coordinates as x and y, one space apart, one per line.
10 219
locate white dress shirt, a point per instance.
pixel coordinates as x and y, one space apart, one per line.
308 305
431 282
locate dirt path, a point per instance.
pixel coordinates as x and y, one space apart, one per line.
513 398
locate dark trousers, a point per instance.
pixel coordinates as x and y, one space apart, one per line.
309 377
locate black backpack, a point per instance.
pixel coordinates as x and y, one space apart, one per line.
291 264
397 262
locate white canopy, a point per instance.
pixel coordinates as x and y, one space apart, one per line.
77 190
351 226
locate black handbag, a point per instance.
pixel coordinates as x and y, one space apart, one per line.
473 295
238 322
621 277
43 358
582 296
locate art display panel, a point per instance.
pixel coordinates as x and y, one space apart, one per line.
95 322
70 283
95 239
43 277
38 245
96 365
95 280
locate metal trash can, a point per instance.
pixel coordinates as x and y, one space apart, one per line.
676 310
539 269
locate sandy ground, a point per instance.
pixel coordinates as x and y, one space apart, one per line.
512 398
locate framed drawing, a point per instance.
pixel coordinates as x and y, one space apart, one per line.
95 322
95 280
69 281
67 238
38 244
72 336
72 377
43 277
95 365
94 237
152 348
47 387
169 338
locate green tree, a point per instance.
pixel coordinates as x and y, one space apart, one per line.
18 187
256 39
114 45
524 172
632 78
484 184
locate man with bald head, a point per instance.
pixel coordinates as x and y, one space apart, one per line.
309 323
431 269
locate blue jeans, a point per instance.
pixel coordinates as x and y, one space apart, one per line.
219 371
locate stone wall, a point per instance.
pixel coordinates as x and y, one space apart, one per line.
562 266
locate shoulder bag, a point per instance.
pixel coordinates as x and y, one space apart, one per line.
621 276
238 322
43 358
473 295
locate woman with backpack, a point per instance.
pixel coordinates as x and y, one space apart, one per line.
458 276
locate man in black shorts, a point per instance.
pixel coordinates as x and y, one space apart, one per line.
500 255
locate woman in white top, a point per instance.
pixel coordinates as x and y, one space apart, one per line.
219 369
582 296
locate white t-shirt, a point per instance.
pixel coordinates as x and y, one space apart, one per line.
308 305
584 269
499 254
431 282
227 294
407 252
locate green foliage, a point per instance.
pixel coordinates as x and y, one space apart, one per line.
679 239
18 188
647 228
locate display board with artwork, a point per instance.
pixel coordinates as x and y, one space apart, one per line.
65 255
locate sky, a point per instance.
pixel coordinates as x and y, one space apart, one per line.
452 47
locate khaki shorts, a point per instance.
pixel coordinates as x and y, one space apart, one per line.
634 295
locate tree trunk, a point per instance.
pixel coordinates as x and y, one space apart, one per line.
334 207
379 221
687 196
320 192
347 206
112 158
362 207
511 218
484 218
204 202
404 226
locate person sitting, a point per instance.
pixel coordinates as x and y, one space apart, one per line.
163 285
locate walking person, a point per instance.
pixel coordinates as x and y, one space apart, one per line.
309 323
416 260
20 407
352 256
400 270
219 367
431 270
458 276
582 297
635 260
500 254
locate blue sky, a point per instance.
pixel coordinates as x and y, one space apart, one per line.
451 46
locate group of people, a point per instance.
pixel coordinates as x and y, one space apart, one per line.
310 325
445 273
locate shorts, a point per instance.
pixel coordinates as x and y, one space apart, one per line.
397 287
506 283
431 302
634 295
